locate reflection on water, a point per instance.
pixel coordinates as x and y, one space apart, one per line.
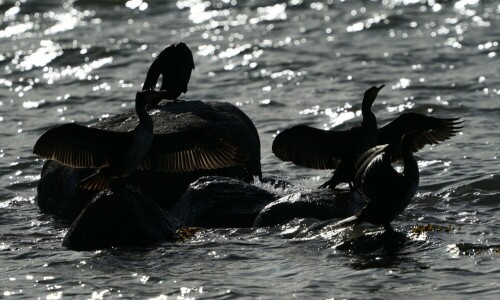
284 63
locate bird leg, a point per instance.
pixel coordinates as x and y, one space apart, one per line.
331 183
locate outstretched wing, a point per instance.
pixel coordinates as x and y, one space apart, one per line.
364 160
79 146
436 131
188 150
374 167
310 147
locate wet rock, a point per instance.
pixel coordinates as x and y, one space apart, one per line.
321 204
121 216
58 194
377 242
217 202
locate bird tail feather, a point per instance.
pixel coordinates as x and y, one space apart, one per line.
95 182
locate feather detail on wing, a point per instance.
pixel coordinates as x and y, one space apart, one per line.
187 151
376 172
79 146
364 160
95 182
436 130
310 147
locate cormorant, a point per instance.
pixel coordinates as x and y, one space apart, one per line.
321 149
386 191
175 64
119 154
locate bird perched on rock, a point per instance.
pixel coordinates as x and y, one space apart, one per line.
119 154
175 64
387 192
322 149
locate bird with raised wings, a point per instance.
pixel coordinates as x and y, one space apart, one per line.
117 155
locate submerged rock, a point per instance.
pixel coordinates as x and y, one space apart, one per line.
57 191
121 216
321 204
217 202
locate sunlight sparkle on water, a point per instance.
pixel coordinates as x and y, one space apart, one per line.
16 29
133 4
402 84
337 118
65 22
230 52
33 104
100 295
41 57
81 72
54 296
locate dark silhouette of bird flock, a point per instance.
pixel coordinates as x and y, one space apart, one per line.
361 156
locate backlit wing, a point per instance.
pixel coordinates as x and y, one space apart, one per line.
436 131
187 151
79 146
375 167
310 147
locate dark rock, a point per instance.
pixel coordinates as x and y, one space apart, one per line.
121 216
217 202
57 193
383 243
56 198
321 204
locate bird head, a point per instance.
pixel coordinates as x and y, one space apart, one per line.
371 95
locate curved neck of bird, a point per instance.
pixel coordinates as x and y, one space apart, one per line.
409 162
369 118
145 120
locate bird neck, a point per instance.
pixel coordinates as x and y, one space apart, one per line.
409 162
145 120
369 118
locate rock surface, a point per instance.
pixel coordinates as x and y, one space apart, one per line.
58 195
219 202
321 204
121 216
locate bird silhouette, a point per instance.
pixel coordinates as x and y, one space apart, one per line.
329 149
387 192
174 64
117 155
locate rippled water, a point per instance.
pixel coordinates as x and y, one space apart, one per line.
283 63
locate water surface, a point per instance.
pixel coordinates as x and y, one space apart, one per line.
283 63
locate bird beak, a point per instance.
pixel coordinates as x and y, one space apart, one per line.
381 87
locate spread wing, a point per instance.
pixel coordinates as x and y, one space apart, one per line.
310 147
374 167
436 131
79 146
364 160
187 151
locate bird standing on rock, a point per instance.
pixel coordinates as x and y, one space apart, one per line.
175 64
387 192
321 149
118 154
